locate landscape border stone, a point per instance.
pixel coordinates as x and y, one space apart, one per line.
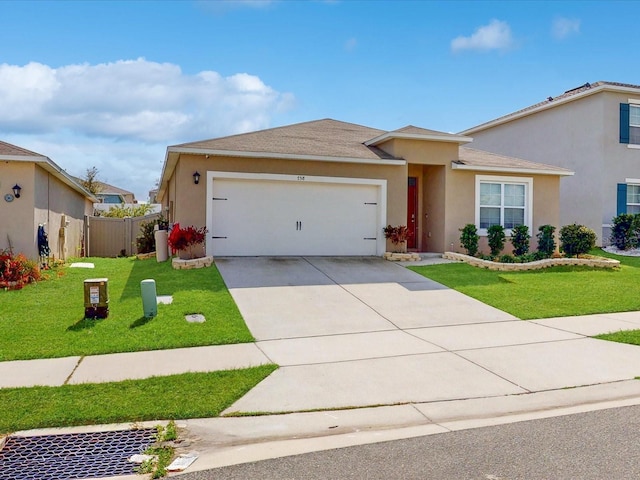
599 262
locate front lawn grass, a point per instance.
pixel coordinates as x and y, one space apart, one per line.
46 319
189 395
552 292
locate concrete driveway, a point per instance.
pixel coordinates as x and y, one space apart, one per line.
351 332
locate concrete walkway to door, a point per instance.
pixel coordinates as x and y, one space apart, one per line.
352 332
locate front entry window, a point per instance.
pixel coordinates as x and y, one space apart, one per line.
502 201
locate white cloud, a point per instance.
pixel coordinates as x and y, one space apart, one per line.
564 27
132 99
121 116
495 36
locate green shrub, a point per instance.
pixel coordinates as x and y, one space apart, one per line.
576 240
146 241
546 240
120 211
520 239
625 231
506 258
530 257
496 238
469 238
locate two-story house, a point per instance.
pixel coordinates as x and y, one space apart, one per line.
593 130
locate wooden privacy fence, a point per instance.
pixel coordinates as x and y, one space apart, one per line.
112 237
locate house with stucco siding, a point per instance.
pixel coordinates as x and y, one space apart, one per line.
327 187
48 196
593 130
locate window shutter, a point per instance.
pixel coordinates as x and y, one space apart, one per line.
624 123
622 199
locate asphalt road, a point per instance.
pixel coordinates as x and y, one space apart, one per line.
598 445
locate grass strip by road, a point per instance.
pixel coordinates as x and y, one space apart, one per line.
552 292
46 319
626 336
190 395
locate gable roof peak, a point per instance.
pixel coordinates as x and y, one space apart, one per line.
7 149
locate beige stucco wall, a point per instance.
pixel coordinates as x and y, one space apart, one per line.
189 200
43 199
53 200
461 207
16 218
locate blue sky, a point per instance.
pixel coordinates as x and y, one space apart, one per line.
112 84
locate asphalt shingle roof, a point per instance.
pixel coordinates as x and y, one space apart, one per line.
551 100
327 138
480 158
8 149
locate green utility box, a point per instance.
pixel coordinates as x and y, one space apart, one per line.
149 298
96 298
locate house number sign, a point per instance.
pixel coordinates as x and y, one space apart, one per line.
301 178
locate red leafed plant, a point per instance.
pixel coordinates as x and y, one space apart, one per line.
397 234
17 271
186 239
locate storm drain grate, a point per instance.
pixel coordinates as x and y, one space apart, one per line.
74 455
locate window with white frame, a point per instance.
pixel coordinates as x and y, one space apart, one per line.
505 201
630 123
634 124
633 198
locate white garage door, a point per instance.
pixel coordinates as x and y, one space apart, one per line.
276 217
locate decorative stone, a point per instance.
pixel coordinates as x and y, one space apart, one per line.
195 318
201 262
401 257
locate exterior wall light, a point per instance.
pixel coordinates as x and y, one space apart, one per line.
196 178
16 190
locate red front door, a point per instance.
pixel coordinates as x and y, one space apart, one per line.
412 212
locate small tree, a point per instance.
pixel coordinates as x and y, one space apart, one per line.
496 239
469 238
576 239
546 240
90 181
146 241
520 239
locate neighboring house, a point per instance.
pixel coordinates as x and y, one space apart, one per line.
110 194
48 197
329 188
593 130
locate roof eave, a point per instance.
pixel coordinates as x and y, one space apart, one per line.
551 104
287 156
50 166
528 171
459 139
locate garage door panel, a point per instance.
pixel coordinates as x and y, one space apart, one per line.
265 217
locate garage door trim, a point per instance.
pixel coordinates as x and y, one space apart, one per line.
381 184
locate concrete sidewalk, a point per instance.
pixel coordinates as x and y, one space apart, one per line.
351 332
